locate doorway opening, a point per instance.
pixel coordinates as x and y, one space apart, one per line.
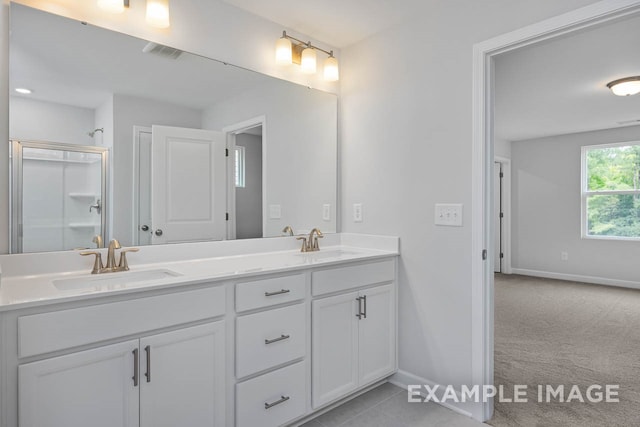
483 223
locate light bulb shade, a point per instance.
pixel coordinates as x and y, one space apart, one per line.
111 6
308 61
283 52
158 13
331 72
625 87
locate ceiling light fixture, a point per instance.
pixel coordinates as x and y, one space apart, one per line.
305 55
626 86
157 10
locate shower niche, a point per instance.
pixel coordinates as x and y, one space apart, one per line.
58 196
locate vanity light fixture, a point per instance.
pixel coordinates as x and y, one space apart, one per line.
305 55
626 86
24 90
157 14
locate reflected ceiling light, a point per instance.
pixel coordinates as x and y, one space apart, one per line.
113 6
158 13
626 86
305 55
23 90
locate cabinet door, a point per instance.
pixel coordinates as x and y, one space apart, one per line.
377 334
89 388
335 347
182 377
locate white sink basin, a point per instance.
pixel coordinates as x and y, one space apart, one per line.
113 279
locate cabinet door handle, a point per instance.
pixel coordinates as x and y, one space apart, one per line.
359 315
280 338
147 374
364 314
282 291
135 367
277 402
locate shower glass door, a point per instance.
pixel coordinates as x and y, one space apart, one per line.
58 196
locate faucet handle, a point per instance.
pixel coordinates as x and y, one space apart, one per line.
97 264
305 246
123 264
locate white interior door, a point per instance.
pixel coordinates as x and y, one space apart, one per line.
188 185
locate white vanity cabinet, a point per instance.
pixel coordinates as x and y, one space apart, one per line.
166 378
169 379
354 332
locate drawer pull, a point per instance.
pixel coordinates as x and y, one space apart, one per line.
280 292
277 402
280 338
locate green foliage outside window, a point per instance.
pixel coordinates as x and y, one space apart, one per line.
614 173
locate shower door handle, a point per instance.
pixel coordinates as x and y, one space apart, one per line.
97 207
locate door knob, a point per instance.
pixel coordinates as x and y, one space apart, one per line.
144 228
158 232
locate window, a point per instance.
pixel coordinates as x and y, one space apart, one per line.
611 191
239 162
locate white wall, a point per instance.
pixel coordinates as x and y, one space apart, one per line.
502 148
418 75
33 120
249 197
293 113
546 210
129 111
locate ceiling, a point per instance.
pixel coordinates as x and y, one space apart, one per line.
336 22
559 86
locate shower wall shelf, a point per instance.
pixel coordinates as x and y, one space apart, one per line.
83 225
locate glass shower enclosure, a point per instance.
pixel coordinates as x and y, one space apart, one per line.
58 196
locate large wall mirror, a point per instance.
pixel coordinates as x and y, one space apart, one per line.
188 148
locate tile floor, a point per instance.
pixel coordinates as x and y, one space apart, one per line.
387 406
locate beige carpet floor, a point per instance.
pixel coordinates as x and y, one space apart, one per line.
556 332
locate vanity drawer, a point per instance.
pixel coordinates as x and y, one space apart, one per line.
270 338
272 399
268 292
344 278
58 330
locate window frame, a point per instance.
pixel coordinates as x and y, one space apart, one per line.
585 193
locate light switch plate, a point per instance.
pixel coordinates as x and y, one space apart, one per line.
326 212
448 215
275 212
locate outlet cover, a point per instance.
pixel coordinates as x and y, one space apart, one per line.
326 212
357 212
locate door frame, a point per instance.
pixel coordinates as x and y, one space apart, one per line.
506 210
230 135
482 168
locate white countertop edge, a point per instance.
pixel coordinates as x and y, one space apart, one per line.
14 284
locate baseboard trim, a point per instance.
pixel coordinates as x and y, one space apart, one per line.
577 278
403 379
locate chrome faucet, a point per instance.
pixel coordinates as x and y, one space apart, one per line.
288 230
123 265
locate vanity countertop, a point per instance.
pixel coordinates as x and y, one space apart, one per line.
23 291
